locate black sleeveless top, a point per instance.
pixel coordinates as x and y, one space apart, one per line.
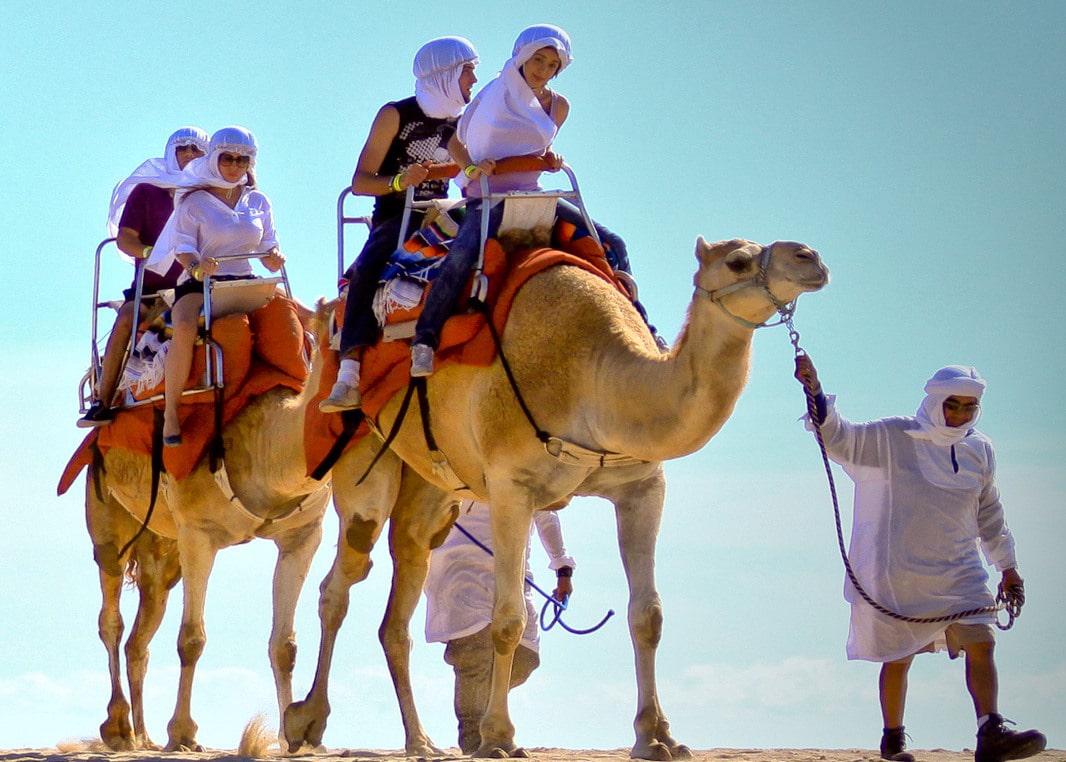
420 138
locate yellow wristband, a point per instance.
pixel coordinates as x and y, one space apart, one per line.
146 252
395 184
470 170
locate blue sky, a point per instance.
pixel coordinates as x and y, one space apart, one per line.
919 146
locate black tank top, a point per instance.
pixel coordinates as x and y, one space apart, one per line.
420 138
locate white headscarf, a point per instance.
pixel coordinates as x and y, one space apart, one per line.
505 118
437 68
952 380
162 172
199 173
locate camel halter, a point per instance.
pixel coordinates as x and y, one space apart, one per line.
760 280
1010 601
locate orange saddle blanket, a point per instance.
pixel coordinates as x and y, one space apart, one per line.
260 351
466 339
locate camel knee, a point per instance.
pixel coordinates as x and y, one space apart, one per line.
647 624
361 534
106 557
283 655
191 642
507 632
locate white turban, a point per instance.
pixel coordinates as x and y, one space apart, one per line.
533 38
437 68
505 118
162 172
202 172
949 381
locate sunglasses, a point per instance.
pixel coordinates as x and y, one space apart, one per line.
240 161
189 147
954 406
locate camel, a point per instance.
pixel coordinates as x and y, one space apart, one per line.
591 377
192 521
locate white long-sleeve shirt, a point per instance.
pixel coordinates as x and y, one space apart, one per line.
461 582
921 512
205 226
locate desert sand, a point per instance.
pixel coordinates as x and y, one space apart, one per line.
94 752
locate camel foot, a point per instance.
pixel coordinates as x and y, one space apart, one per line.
117 741
304 725
507 751
422 748
184 746
654 750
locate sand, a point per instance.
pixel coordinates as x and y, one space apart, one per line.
95 752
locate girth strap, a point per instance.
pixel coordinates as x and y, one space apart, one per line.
441 467
350 420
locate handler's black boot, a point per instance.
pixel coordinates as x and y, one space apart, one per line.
893 743
996 742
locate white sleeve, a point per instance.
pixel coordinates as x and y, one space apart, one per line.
270 235
997 542
550 531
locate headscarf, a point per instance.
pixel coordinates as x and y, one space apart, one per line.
505 118
437 68
199 173
203 171
162 172
952 380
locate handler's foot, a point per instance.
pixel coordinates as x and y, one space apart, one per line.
341 397
893 743
996 742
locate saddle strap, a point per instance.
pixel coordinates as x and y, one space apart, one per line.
441 467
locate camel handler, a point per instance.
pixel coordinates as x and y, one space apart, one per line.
925 499
405 138
459 594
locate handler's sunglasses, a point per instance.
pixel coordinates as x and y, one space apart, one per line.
955 406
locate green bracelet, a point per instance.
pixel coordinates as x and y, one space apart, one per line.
395 184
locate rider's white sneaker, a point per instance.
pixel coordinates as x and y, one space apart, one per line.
341 397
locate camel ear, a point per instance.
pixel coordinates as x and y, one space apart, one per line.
739 260
703 250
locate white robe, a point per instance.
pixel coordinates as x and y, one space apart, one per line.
916 531
460 585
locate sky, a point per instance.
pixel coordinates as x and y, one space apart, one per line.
918 146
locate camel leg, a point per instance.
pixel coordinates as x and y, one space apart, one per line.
362 511
107 522
638 507
157 571
197 559
296 550
420 522
511 523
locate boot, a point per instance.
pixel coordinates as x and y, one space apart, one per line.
893 744
996 742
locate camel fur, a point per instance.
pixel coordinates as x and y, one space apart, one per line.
591 374
192 521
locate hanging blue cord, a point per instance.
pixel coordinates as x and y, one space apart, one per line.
558 606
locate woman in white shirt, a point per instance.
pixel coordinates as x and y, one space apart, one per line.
217 212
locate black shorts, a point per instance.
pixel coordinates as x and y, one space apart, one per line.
193 286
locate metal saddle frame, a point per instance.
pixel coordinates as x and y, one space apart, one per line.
220 298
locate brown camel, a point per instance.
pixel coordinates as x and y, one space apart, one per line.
592 377
193 519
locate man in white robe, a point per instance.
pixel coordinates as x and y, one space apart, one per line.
459 591
925 501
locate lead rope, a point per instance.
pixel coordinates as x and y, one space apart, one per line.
1007 600
558 606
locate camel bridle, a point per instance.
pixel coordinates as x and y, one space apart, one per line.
760 280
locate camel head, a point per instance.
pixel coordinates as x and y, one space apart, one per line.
752 282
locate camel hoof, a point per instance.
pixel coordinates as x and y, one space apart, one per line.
681 752
423 749
302 727
656 750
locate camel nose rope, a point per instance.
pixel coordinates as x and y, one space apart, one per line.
1010 601
558 606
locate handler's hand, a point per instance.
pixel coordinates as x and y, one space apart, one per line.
807 375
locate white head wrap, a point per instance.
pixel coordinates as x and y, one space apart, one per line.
200 173
505 118
952 380
532 39
437 68
203 171
162 172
